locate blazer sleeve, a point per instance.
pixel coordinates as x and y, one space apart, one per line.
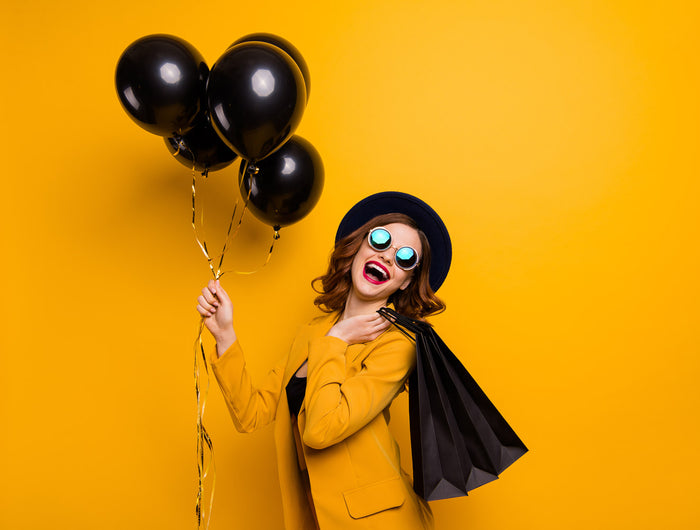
250 407
338 406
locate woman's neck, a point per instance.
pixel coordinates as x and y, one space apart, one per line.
355 306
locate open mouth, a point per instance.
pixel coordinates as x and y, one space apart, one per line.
375 273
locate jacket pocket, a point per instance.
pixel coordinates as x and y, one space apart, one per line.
374 498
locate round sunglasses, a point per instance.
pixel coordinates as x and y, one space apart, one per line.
379 239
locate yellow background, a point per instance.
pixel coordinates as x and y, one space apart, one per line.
559 141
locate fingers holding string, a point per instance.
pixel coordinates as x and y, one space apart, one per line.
207 302
202 311
209 294
221 293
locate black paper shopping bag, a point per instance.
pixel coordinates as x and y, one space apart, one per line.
459 440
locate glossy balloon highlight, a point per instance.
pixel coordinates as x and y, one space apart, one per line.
161 82
256 98
285 46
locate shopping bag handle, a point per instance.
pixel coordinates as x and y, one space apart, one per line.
403 323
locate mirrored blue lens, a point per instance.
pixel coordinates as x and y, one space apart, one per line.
406 257
380 239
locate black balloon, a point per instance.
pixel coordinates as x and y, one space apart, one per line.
285 46
161 83
288 183
256 98
201 148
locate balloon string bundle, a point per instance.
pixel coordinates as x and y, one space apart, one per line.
205 448
230 235
208 141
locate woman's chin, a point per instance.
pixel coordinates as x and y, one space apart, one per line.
370 293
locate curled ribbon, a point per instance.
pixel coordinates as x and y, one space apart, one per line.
205 449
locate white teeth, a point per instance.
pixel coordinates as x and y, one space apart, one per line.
382 273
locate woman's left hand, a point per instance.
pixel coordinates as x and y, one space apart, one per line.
216 309
359 329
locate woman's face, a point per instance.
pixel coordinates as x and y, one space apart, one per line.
375 275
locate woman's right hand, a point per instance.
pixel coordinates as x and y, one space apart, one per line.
216 308
360 328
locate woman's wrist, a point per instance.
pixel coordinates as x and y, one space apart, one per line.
338 334
337 337
224 341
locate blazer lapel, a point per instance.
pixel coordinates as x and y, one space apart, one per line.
300 350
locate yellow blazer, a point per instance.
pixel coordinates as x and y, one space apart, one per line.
351 458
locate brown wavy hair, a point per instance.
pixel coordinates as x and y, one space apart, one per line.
418 300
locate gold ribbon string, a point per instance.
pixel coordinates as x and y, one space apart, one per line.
204 443
230 235
250 170
205 447
201 241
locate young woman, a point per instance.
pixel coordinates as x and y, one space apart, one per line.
339 466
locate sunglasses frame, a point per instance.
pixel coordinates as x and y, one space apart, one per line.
396 250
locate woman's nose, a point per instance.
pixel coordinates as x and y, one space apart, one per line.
386 255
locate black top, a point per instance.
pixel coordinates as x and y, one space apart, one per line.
296 388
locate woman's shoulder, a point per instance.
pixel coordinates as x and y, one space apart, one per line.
323 318
321 323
